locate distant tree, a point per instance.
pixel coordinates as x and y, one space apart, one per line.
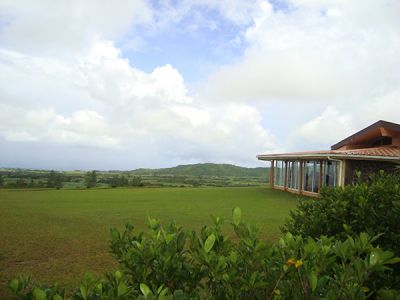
54 180
91 179
1 181
116 181
31 183
136 181
20 183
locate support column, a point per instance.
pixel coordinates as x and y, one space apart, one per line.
320 177
342 172
301 177
285 182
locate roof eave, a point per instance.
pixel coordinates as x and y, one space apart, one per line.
328 156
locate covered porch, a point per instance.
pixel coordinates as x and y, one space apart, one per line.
304 173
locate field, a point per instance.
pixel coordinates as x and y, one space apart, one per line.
57 235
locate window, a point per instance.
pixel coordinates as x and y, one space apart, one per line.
279 173
293 175
311 174
330 175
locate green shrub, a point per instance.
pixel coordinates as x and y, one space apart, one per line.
372 207
169 263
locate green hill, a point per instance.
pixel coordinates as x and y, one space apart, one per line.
207 169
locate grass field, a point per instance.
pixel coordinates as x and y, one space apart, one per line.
58 235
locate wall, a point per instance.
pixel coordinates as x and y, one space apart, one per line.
367 167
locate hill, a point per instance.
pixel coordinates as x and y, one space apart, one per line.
206 169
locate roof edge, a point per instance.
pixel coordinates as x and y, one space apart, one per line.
327 156
380 123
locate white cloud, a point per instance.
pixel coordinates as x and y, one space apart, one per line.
329 127
118 106
49 27
63 80
316 50
385 107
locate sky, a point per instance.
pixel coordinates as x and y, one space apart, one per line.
128 84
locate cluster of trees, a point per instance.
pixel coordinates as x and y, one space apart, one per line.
55 180
342 246
51 179
123 181
91 179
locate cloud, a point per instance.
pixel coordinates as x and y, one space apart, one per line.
329 127
316 51
119 107
322 69
59 28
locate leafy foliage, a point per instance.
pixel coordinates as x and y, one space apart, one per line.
54 180
207 169
169 263
372 207
91 179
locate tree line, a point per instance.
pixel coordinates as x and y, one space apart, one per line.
57 180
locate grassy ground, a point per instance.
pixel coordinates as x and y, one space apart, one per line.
58 235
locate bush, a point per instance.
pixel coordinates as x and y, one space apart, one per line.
169 263
372 207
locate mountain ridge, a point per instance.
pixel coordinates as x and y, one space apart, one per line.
205 169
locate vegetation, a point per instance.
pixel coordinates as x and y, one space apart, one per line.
208 169
54 180
58 235
218 175
372 207
341 246
91 179
170 263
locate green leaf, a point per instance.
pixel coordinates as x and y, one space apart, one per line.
122 289
236 215
163 293
160 289
145 289
83 291
393 260
153 223
118 275
39 294
373 258
209 244
57 297
233 256
14 285
313 279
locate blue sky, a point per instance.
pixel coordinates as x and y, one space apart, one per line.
131 83
196 44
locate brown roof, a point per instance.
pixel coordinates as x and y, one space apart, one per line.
373 129
388 153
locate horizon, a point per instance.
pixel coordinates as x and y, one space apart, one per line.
135 84
127 170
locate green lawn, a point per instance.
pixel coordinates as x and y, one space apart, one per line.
58 235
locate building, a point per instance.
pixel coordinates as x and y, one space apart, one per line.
374 148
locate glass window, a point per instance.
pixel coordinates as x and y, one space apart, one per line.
330 175
311 173
279 173
317 172
293 175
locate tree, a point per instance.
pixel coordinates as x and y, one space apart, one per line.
91 179
1 181
54 180
136 181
